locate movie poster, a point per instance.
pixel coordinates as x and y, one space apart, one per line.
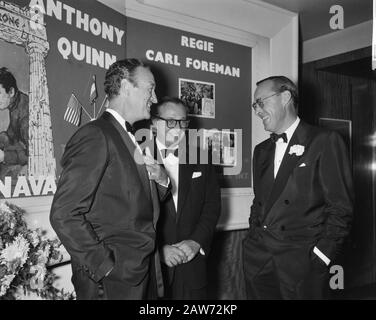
50 52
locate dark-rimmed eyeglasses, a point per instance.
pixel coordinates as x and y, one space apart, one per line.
260 102
171 123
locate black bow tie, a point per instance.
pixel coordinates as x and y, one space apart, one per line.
275 137
166 152
130 128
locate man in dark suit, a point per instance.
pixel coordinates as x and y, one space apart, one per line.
105 208
303 202
190 213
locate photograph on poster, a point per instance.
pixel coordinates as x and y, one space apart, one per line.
26 144
222 145
199 97
14 113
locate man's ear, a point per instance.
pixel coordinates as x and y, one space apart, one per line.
125 87
286 97
12 92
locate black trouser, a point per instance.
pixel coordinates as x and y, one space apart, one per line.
295 273
111 289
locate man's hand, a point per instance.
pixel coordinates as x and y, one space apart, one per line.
172 256
189 247
156 171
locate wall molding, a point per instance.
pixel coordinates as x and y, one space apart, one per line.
185 22
271 7
235 209
236 204
342 41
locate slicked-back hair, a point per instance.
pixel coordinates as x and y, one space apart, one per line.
119 70
155 108
7 80
282 83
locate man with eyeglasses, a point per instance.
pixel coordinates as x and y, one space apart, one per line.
303 202
189 215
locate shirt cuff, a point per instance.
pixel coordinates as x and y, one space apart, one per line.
322 256
108 272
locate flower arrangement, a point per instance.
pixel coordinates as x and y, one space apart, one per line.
25 257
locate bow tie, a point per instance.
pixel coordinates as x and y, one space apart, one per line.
166 152
275 137
130 128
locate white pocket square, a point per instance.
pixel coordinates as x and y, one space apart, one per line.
196 175
302 165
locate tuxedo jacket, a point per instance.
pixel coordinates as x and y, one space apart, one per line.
105 208
198 210
311 199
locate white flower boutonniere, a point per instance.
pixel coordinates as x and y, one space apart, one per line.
297 149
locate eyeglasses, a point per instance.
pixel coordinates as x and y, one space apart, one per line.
171 123
260 102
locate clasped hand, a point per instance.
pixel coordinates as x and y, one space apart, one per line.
178 253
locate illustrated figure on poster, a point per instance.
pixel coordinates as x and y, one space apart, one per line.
14 134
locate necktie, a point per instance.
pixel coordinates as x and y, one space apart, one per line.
275 137
130 128
166 152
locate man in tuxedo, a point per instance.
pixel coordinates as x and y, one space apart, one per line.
106 205
190 213
303 202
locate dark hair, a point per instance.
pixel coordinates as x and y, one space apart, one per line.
119 70
282 83
155 108
7 80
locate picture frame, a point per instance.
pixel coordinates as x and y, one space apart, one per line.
199 97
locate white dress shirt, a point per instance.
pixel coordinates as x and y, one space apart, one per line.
121 120
281 146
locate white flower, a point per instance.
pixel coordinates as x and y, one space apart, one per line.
16 253
297 149
44 254
34 238
37 281
4 207
5 283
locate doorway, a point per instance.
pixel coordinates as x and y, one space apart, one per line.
343 87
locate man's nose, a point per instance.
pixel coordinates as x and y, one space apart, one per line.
154 98
258 110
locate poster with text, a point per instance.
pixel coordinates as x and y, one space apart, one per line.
50 52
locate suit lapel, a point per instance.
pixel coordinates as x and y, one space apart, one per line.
267 170
141 169
288 164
